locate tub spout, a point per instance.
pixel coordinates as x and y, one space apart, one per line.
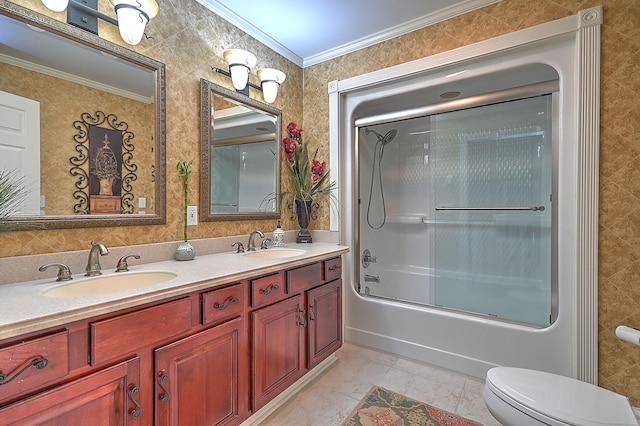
371 278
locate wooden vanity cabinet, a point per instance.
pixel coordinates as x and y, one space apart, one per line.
203 379
324 304
291 336
107 397
208 357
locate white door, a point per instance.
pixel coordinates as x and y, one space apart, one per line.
20 145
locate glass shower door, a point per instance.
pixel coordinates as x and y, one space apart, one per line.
491 185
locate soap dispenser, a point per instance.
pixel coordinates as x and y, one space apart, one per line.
278 236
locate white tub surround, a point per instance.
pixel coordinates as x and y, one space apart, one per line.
461 342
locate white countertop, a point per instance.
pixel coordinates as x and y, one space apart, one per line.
25 309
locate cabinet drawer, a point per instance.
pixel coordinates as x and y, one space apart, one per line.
304 277
224 303
267 289
30 364
332 269
115 337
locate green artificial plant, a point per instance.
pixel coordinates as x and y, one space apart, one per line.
184 170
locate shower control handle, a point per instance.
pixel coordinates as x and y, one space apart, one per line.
367 259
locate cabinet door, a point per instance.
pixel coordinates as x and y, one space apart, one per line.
110 397
204 379
325 321
278 348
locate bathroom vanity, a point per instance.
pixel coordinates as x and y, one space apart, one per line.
211 346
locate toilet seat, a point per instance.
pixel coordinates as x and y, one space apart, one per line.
554 399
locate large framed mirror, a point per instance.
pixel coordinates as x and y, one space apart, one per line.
82 125
240 169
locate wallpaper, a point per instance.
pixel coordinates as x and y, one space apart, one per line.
189 40
619 218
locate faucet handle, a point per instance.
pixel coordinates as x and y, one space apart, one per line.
122 263
64 273
240 246
263 245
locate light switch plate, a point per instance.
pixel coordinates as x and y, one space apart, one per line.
192 215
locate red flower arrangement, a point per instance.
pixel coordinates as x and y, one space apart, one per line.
308 176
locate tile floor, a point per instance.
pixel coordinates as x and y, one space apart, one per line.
331 398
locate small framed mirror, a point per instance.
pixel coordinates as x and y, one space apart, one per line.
240 170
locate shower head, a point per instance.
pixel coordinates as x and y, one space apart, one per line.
388 137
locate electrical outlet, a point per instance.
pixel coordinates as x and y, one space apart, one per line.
192 215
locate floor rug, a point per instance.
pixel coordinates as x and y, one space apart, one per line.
385 408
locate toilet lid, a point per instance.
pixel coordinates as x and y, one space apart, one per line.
567 400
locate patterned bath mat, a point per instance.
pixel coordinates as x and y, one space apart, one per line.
385 408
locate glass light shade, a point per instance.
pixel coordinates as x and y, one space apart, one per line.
240 64
131 22
271 79
239 76
56 5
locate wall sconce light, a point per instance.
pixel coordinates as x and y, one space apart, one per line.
270 80
240 63
133 15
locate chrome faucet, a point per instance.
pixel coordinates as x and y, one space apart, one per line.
64 273
251 245
93 264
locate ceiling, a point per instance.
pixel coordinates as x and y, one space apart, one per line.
308 32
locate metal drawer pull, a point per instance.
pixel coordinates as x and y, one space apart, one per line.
132 393
39 363
303 315
312 313
269 289
163 377
335 268
230 301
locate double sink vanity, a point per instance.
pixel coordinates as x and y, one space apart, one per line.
219 340
210 341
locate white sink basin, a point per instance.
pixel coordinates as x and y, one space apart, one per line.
109 284
274 253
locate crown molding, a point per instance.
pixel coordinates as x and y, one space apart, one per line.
398 30
415 24
250 29
52 72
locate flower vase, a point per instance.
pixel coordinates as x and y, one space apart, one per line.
304 214
185 251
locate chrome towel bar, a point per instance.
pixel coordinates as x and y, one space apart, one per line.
534 208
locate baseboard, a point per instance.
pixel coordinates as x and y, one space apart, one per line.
411 350
261 415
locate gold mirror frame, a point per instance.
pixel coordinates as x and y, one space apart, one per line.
208 91
77 35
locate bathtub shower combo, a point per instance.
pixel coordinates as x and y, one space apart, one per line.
456 208
468 184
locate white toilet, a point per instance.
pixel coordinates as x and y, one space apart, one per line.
521 397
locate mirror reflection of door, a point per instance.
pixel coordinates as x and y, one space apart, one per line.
20 145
